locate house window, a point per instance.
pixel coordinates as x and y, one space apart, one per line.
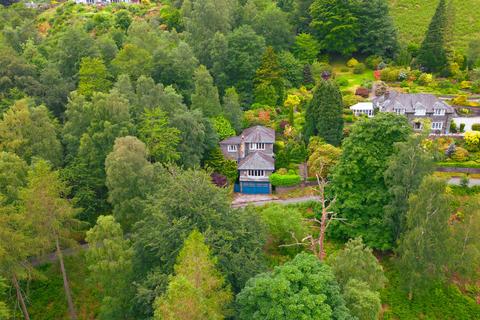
437 125
417 126
360 112
256 173
438 112
232 148
420 112
399 110
257 146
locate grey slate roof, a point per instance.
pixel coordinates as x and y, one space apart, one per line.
257 161
231 140
253 134
410 102
259 134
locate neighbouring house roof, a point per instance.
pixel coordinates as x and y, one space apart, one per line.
410 102
231 140
257 161
362 106
253 134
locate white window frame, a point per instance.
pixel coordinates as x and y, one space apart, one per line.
256 173
438 112
437 125
399 111
420 112
232 148
257 146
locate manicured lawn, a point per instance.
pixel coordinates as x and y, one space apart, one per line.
412 18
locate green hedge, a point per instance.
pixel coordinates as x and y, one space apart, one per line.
452 164
287 180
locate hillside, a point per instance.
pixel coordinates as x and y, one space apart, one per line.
413 16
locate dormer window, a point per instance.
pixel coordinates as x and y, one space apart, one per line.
257 146
399 111
232 148
420 109
438 112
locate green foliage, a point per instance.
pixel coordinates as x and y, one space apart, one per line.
92 77
423 249
160 138
303 288
284 180
323 157
232 109
197 290
359 68
306 48
30 131
109 262
269 83
406 169
205 96
434 52
285 224
218 163
13 176
4 313
292 69
358 179
134 61
362 302
335 25
187 200
324 113
129 179
223 127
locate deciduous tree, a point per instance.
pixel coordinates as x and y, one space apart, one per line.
93 77
205 97
197 290
129 178
303 288
232 109
109 261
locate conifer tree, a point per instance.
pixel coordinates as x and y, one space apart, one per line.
269 76
198 290
232 109
324 115
435 50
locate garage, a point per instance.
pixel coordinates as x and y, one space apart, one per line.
255 187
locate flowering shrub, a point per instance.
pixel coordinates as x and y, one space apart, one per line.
352 63
403 75
459 155
472 139
425 79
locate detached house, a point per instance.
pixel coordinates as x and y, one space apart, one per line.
416 107
253 151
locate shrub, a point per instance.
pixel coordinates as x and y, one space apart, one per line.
319 68
347 111
460 100
350 99
373 61
472 139
380 89
460 154
465 85
389 74
462 127
342 82
476 127
352 63
344 69
359 68
382 65
403 75
367 84
425 79
453 127
362 92
348 118
285 180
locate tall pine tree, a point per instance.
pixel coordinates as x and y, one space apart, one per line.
268 79
435 50
324 116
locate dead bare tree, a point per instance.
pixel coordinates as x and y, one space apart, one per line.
316 243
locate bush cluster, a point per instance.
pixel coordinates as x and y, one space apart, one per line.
285 180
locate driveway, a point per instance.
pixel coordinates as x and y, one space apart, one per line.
261 200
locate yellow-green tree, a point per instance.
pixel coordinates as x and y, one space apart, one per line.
198 290
93 76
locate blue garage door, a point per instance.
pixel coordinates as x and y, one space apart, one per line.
255 187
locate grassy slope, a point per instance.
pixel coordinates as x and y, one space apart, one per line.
413 16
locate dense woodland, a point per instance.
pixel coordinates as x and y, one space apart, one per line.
111 118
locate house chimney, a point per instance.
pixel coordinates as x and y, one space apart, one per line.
241 153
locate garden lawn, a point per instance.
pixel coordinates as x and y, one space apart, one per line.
412 18
354 80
